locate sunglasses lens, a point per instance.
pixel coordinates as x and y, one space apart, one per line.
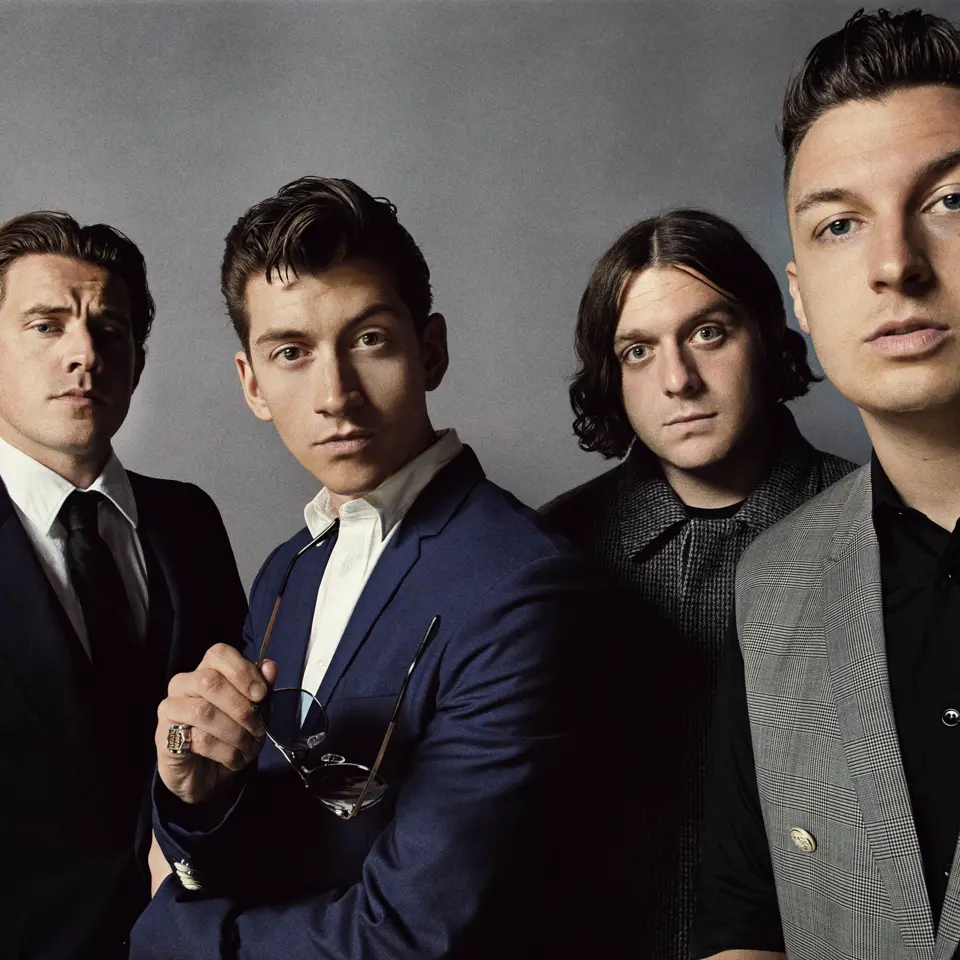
338 785
295 720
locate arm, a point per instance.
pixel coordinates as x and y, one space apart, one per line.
737 902
748 955
510 690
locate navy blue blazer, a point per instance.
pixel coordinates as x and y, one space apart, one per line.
458 859
75 816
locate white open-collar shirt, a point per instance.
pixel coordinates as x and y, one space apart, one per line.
366 526
38 494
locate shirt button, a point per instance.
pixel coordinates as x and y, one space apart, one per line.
950 717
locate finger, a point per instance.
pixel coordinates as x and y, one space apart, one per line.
214 688
270 672
241 673
213 734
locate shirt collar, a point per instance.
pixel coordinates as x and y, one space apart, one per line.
39 492
883 490
394 497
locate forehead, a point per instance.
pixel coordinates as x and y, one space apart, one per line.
334 295
666 297
877 145
59 281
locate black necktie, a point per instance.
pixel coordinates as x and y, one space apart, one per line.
107 615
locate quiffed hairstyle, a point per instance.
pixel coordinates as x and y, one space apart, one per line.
871 56
48 231
311 225
719 252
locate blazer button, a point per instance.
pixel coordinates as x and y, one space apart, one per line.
187 875
803 840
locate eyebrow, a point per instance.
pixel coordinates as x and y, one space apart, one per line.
279 335
935 168
45 309
720 306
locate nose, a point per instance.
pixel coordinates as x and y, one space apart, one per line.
82 350
898 256
678 372
338 389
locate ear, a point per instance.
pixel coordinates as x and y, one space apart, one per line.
251 388
433 350
795 293
139 361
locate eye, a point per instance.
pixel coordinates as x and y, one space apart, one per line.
635 353
287 354
371 338
951 201
710 334
839 228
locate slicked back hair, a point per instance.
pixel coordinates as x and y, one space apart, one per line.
871 56
53 232
311 225
719 252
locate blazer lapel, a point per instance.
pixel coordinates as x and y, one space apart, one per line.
856 651
429 514
41 651
948 932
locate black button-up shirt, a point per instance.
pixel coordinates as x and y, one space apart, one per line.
920 585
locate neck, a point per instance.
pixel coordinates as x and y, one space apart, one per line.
80 469
728 481
920 454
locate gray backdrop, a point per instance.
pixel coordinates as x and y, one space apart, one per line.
516 138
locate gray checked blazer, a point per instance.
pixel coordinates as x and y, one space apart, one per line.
810 624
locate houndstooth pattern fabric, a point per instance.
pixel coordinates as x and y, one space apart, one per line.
676 575
810 623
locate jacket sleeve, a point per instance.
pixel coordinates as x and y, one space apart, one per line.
515 687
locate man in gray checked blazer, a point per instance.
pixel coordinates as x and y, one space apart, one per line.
833 808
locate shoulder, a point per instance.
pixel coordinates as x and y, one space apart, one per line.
806 533
576 513
832 468
170 495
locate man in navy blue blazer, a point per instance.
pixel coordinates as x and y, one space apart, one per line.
456 834
110 583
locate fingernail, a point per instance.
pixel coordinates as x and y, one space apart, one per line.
258 691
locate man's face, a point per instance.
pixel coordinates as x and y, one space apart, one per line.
336 364
68 364
874 207
691 388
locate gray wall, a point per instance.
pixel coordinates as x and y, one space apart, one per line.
516 138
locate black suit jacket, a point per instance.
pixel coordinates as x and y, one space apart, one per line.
74 815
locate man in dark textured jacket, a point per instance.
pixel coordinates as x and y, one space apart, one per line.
685 364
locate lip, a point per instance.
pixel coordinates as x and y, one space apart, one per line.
80 397
908 338
689 418
346 443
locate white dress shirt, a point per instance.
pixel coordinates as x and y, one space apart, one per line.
366 526
38 494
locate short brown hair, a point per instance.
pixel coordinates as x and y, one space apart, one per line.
53 232
718 251
871 56
312 224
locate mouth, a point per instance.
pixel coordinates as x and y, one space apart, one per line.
77 397
906 328
346 443
689 418
908 338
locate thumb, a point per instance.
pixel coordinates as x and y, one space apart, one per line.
269 670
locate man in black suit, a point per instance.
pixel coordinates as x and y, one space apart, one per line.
110 583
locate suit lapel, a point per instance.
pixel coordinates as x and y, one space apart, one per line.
429 514
856 651
40 649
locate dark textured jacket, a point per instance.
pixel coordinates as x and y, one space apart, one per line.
675 574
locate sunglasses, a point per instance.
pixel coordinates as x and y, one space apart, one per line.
296 723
